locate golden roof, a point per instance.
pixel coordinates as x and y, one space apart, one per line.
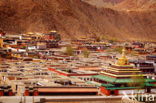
54 31
123 60
30 33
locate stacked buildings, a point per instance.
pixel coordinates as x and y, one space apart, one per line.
33 65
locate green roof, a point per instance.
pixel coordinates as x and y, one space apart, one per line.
123 80
150 85
150 80
104 78
113 80
115 88
109 79
108 85
90 82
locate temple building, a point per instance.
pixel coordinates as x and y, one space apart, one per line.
144 66
151 57
53 35
122 78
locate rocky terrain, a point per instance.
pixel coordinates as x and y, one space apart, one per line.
125 20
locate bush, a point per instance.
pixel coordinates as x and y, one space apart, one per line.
118 49
113 40
138 81
85 52
69 51
97 38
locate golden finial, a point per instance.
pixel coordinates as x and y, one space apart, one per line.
123 60
123 53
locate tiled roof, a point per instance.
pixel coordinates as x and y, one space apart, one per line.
113 80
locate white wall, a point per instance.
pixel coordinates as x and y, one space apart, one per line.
122 92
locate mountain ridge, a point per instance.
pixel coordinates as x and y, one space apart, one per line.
74 18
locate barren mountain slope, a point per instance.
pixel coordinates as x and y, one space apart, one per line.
103 3
137 4
124 4
75 18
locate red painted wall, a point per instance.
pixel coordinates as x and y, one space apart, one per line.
116 92
104 91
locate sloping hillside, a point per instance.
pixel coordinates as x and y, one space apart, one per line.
73 18
137 5
124 4
103 3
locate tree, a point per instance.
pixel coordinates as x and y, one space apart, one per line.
118 49
85 52
105 37
57 37
97 38
113 40
126 44
69 51
138 81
